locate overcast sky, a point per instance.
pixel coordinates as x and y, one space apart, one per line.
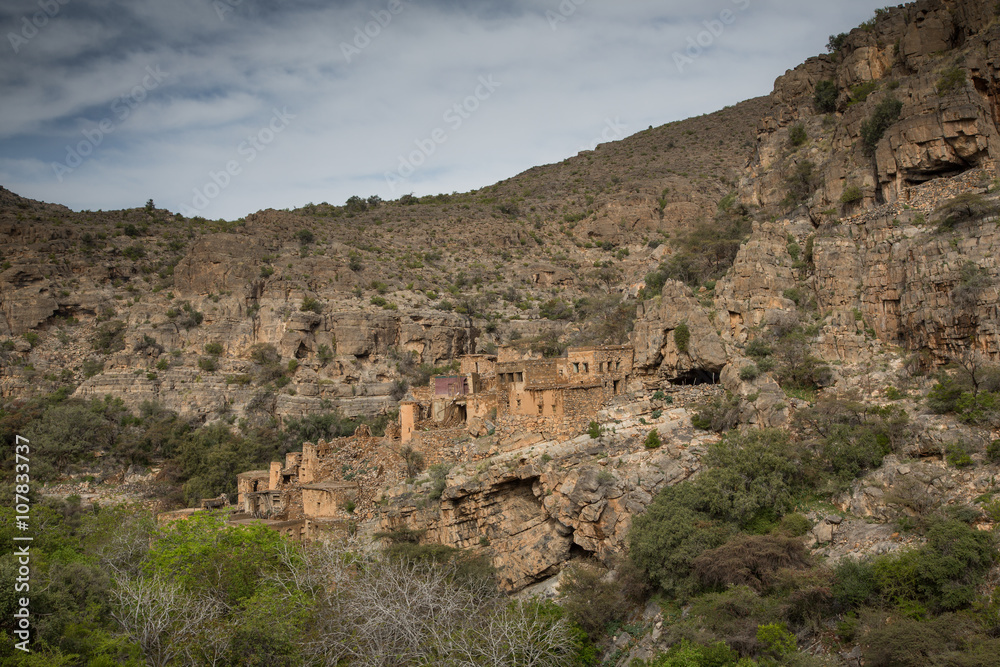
223 107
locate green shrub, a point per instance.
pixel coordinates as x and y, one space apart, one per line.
653 440
967 206
797 135
852 194
324 354
825 98
91 367
305 237
885 115
719 414
861 91
776 639
595 430
951 80
32 338
214 349
794 524
758 349
801 183
836 42
110 337
749 373
311 304
957 455
993 451
589 599
682 337
659 395
208 364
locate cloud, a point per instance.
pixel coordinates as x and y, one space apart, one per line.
368 83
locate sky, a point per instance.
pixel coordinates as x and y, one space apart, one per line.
221 108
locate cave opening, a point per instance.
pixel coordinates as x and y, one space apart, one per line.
695 376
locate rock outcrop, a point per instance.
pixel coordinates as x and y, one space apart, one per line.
656 344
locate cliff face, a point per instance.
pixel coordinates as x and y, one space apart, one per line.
939 58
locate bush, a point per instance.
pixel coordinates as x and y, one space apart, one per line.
214 349
589 599
968 206
951 80
993 451
825 98
852 194
719 414
653 440
885 115
595 430
311 305
110 337
682 337
208 364
797 135
957 455
749 373
305 237
801 183
836 42
749 560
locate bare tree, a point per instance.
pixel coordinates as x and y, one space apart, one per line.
160 616
981 372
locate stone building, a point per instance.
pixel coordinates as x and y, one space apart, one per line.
568 389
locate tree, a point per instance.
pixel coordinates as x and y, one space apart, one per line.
825 98
160 616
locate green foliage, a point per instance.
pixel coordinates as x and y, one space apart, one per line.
439 479
801 183
963 207
311 304
852 194
951 80
750 476
704 254
836 42
203 554
653 440
214 349
595 430
776 639
208 364
682 337
797 135
91 367
324 354
993 451
305 236
883 117
719 413
942 575
110 337
957 454
860 92
32 338
749 373
825 98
